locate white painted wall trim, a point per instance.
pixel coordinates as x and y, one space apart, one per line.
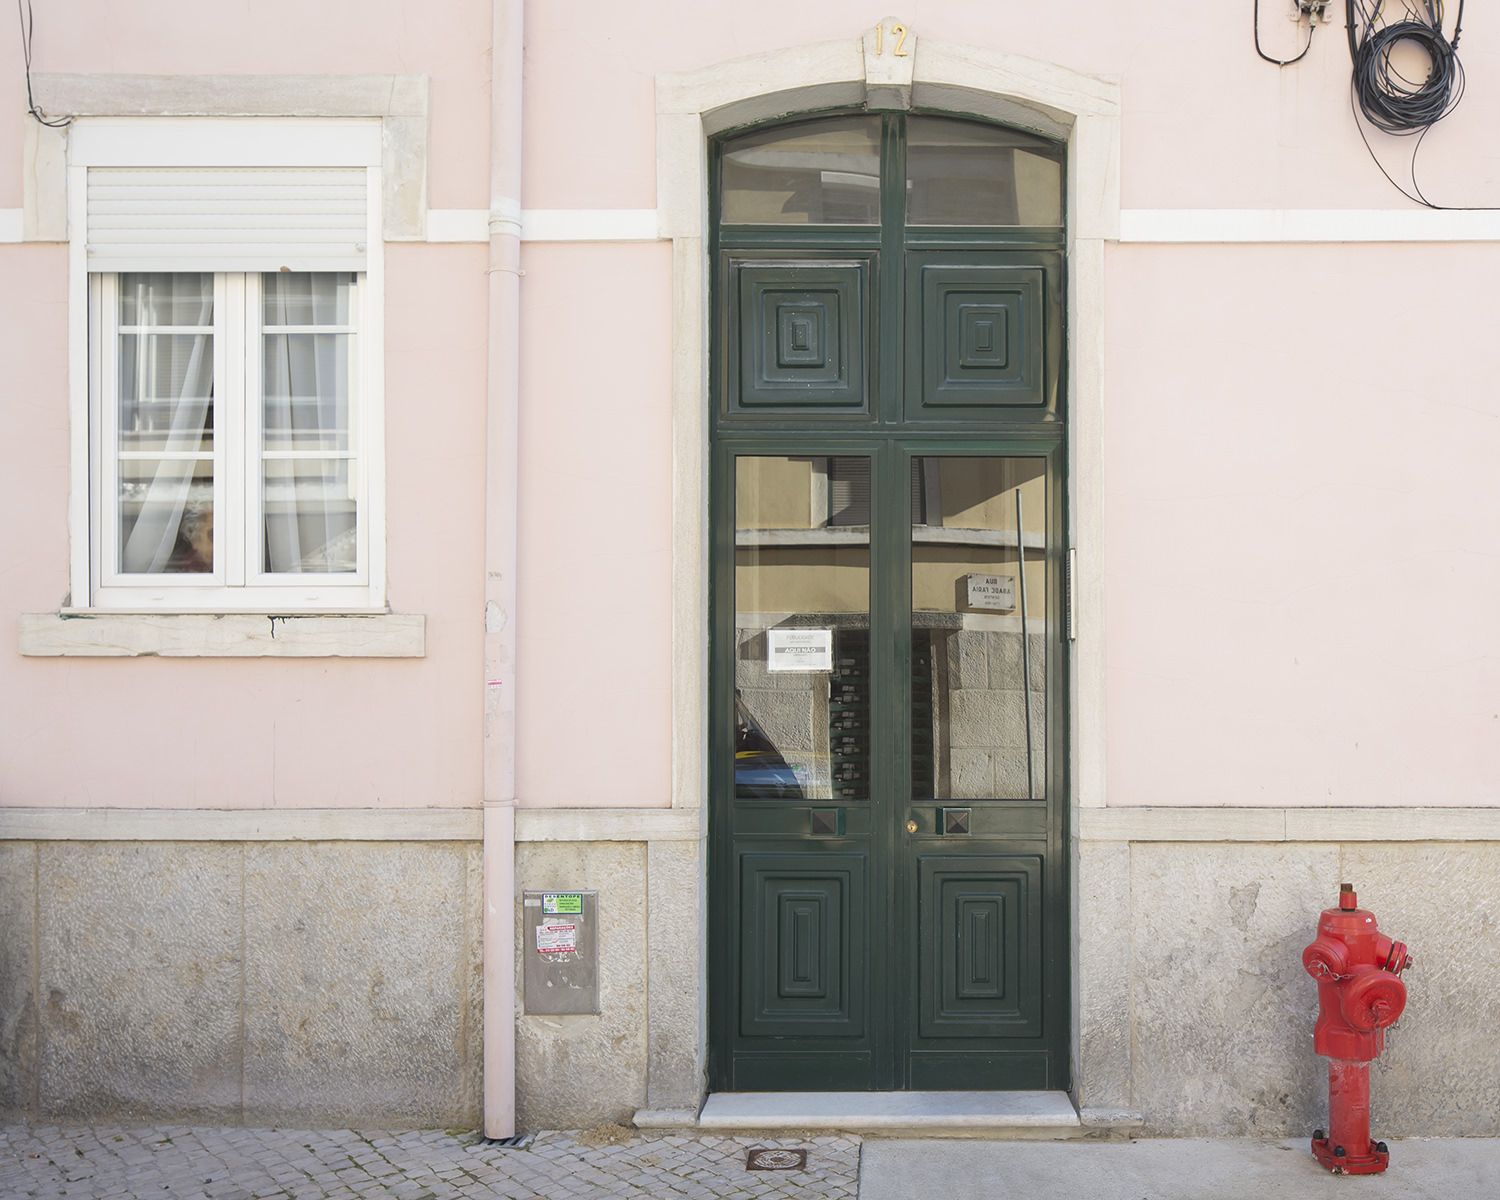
546 225
1288 824
589 225
242 825
607 825
458 225
1180 226
1279 225
236 635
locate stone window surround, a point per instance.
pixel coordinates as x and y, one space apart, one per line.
400 102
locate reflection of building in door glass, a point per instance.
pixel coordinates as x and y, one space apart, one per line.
979 598
978 622
760 770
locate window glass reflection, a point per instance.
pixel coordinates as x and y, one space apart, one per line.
967 173
165 424
979 620
814 173
802 635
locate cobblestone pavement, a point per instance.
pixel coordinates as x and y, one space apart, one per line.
178 1162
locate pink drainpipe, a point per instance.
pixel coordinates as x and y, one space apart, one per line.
502 406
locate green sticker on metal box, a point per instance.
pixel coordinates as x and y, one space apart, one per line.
569 903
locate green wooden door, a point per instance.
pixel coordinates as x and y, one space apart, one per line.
888 890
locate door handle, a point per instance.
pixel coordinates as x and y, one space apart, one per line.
911 825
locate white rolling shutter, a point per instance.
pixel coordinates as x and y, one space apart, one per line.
227 219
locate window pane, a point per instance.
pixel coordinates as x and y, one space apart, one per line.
165 424
979 623
162 298
166 516
306 384
307 422
166 392
819 172
965 173
307 298
802 637
309 515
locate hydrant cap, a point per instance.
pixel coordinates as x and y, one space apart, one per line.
1373 1000
1326 959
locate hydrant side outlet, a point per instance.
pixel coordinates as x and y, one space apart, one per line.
1360 994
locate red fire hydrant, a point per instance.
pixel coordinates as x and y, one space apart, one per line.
1360 993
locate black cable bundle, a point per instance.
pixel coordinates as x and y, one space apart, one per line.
1389 100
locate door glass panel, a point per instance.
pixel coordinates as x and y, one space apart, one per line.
802 635
979 623
965 173
815 173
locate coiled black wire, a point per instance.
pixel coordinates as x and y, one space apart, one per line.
1391 102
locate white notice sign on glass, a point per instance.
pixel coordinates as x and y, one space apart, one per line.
799 649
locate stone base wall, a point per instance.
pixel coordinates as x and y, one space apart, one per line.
645 1047
1195 1010
317 983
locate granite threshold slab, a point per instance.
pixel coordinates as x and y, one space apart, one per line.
929 1114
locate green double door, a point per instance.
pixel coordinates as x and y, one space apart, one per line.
888 736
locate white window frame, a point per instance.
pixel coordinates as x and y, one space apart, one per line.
236 585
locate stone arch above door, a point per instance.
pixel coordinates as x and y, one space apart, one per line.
938 76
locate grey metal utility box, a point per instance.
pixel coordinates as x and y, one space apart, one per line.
561 931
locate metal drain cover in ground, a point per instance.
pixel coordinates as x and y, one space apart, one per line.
761 1159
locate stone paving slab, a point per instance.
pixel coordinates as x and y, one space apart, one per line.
1172 1169
179 1162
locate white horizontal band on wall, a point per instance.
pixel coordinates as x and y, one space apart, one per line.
548 225
1226 226
227 219
1237 225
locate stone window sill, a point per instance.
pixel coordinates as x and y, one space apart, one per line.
233 635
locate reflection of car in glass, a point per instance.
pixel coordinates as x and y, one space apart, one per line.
760 773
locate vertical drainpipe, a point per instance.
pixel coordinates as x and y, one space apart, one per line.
500 529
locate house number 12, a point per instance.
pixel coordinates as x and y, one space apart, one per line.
898 32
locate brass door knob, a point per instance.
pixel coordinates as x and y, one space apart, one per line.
911 826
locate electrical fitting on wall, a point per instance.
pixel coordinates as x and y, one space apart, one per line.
1314 12
1406 75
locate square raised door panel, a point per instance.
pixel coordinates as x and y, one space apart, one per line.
797 337
802 944
979 971
977 338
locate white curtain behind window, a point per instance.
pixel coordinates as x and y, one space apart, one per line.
166 402
306 461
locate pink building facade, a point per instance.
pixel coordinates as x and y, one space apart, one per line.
442 323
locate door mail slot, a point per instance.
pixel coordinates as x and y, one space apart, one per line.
561 953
